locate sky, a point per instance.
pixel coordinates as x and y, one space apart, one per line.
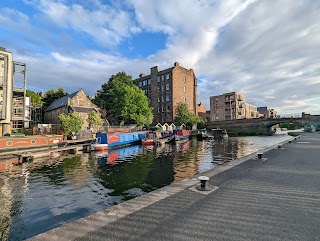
267 50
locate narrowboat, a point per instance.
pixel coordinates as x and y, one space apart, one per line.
219 133
105 141
25 142
182 135
156 137
202 134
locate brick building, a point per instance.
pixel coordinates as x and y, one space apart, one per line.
202 112
231 106
166 88
77 102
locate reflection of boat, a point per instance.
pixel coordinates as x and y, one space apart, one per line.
109 140
202 134
112 156
219 133
13 142
182 135
157 137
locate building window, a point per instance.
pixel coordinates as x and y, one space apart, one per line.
185 99
140 84
162 87
158 109
162 77
149 81
168 108
167 86
158 98
167 76
145 91
184 89
149 101
158 78
158 88
162 108
167 98
1 102
162 97
184 79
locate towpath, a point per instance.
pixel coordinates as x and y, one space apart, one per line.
274 198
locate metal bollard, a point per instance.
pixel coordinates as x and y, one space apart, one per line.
260 155
203 182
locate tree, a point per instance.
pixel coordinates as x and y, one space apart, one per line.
52 95
70 123
183 115
124 101
94 119
35 98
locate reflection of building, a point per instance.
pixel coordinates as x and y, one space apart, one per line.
77 102
166 88
14 106
231 106
267 113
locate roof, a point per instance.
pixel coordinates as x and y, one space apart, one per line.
63 101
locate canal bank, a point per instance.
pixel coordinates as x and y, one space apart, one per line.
276 198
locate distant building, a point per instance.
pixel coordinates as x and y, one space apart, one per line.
231 106
14 105
267 113
201 109
166 88
77 102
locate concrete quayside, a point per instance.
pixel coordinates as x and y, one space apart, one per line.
275 197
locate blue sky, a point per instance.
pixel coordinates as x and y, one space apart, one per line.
267 50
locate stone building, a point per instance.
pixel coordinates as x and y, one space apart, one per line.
166 88
77 102
231 106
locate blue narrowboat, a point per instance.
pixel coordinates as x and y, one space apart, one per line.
109 140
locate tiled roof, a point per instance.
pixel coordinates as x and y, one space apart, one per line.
63 101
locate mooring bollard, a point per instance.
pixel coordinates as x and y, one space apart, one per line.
260 155
279 146
203 182
289 141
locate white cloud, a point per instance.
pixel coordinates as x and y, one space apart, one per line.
266 49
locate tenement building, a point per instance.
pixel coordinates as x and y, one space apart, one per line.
231 106
166 88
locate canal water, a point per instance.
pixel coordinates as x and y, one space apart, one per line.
44 194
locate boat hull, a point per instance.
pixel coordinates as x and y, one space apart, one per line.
29 141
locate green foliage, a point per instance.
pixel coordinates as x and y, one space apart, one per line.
70 123
291 126
52 95
124 101
183 115
35 98
94 119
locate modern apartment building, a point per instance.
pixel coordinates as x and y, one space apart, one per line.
166 88
267 113
14 109
231 106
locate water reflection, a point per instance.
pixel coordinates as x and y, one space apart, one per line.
47 193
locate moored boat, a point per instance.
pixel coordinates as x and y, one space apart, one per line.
182 135
24 142
219 133
202 134
106 141
153 138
